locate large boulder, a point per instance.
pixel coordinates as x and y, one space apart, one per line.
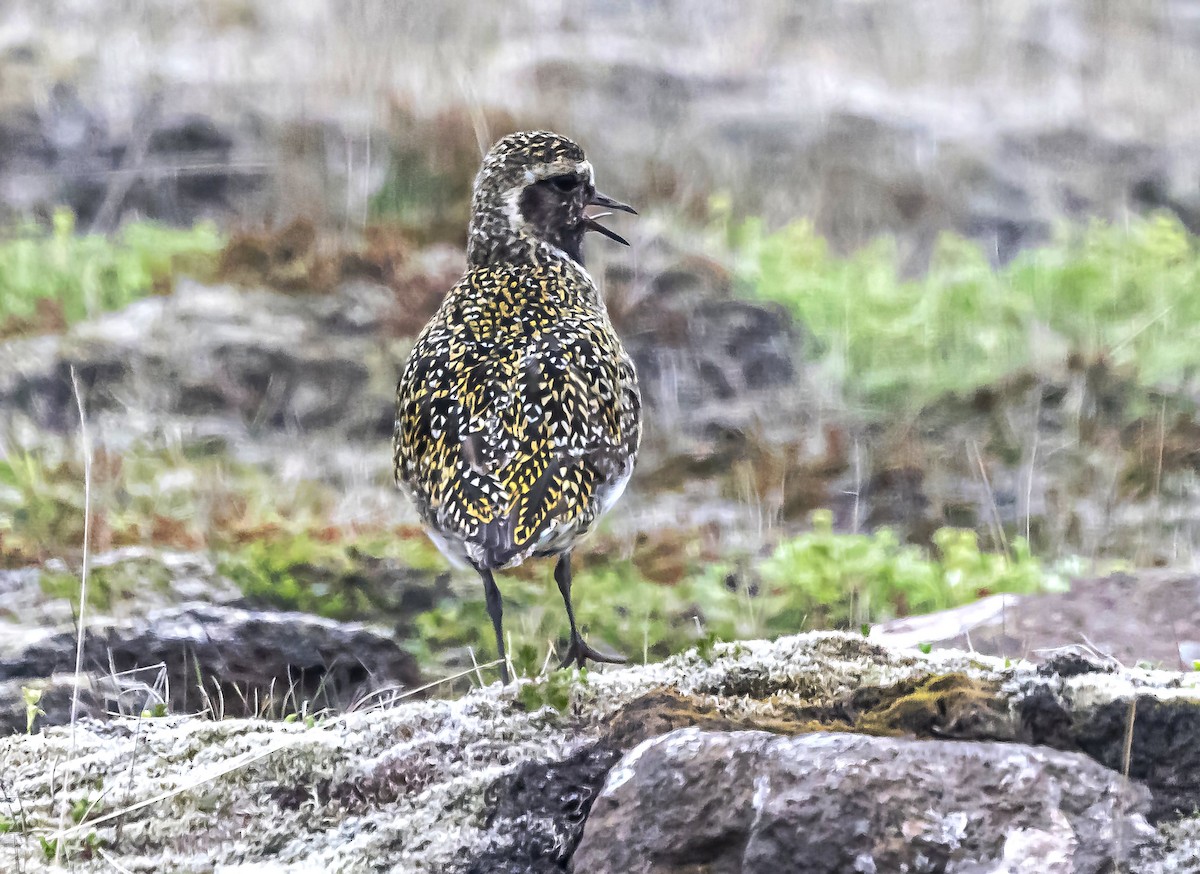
755 803
1129 617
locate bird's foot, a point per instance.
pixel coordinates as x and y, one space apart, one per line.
580 653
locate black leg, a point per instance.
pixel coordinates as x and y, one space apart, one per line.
578 652
562 576
495 610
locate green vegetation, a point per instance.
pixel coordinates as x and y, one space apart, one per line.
110 585
276 544
819 579
553 691
1124 294
322 572
62 277
841 579
185 497
82 807
299 573
33 706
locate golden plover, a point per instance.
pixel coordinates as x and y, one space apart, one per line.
518 414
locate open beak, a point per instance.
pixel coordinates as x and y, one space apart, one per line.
591 224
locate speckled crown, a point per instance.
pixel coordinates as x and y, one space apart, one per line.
532 147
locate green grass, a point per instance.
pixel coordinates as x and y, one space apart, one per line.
816 580
86 274
1127 294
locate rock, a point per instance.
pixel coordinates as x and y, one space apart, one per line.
1129 617
540 811
703 354
172 166
261 360
126 582
735 407
481 784
754 803
204 657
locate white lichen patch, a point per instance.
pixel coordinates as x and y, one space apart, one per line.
189 794
1090 690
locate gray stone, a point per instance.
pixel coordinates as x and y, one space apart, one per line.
755 803
257 360
176 167
197 657
1127 617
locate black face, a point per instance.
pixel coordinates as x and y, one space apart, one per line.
554 208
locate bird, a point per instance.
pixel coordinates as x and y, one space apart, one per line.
518 413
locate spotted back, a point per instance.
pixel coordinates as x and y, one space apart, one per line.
517 413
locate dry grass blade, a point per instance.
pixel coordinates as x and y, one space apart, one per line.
86 447
1127 752
359 706
998 525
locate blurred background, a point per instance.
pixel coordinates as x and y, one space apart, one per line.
913 298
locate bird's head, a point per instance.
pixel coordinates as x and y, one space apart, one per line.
534 189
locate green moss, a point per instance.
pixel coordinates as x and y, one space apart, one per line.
948 705
553 691
297 573
939 706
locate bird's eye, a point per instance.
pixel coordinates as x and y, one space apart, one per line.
565 184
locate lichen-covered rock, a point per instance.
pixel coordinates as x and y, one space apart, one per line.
755 803
259 359
483 784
